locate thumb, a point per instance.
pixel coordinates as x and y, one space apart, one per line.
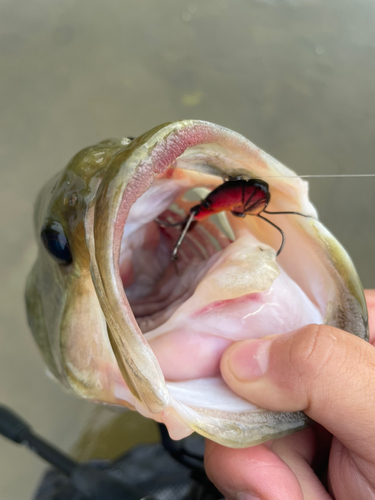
326 372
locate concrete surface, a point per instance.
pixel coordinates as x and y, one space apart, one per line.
294 76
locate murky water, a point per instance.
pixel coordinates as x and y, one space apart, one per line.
294 76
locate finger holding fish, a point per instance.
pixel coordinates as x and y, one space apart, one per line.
336 384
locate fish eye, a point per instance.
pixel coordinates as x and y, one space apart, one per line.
56 243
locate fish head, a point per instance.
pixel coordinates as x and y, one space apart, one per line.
62 304
121 323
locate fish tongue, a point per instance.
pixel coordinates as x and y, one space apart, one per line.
244 267
243 295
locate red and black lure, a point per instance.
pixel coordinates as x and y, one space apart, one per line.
238 196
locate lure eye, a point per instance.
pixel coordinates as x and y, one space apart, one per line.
56 243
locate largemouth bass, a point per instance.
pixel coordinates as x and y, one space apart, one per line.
118 322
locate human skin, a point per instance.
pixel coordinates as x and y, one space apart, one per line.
329 374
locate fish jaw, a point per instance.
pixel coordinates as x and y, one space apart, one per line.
191 153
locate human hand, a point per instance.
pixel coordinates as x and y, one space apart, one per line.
329 374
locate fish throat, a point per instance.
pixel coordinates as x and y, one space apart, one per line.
223 285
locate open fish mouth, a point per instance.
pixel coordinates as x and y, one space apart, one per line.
155 329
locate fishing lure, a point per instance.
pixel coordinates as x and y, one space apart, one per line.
236 195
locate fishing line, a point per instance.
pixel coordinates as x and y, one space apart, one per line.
315 176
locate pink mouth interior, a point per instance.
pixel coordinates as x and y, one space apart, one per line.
187 321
